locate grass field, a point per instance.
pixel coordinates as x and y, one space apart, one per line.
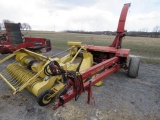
148 48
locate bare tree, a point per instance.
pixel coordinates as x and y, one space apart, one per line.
156 30
25 26
29 27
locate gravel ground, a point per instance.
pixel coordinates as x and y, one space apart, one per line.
119 98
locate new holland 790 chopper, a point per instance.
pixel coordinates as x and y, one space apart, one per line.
62 79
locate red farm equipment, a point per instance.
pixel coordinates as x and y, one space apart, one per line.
106 60
62 79
13 40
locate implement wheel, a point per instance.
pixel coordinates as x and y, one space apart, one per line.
45 98
133 67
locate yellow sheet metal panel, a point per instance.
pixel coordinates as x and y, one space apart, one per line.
39 87
87 61
30 53
72 67
66 58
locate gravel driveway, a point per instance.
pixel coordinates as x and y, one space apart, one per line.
120 98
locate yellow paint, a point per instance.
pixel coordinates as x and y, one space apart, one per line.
87 61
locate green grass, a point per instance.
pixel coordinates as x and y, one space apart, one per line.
150 60
141 46
149 47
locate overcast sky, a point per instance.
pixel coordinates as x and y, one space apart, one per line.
88 15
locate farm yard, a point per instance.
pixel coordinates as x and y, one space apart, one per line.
119 98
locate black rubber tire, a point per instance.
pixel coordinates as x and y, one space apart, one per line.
42 96
133 67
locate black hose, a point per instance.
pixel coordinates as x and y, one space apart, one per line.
53 69
53 72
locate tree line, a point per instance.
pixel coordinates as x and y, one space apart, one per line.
140 33
23 26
